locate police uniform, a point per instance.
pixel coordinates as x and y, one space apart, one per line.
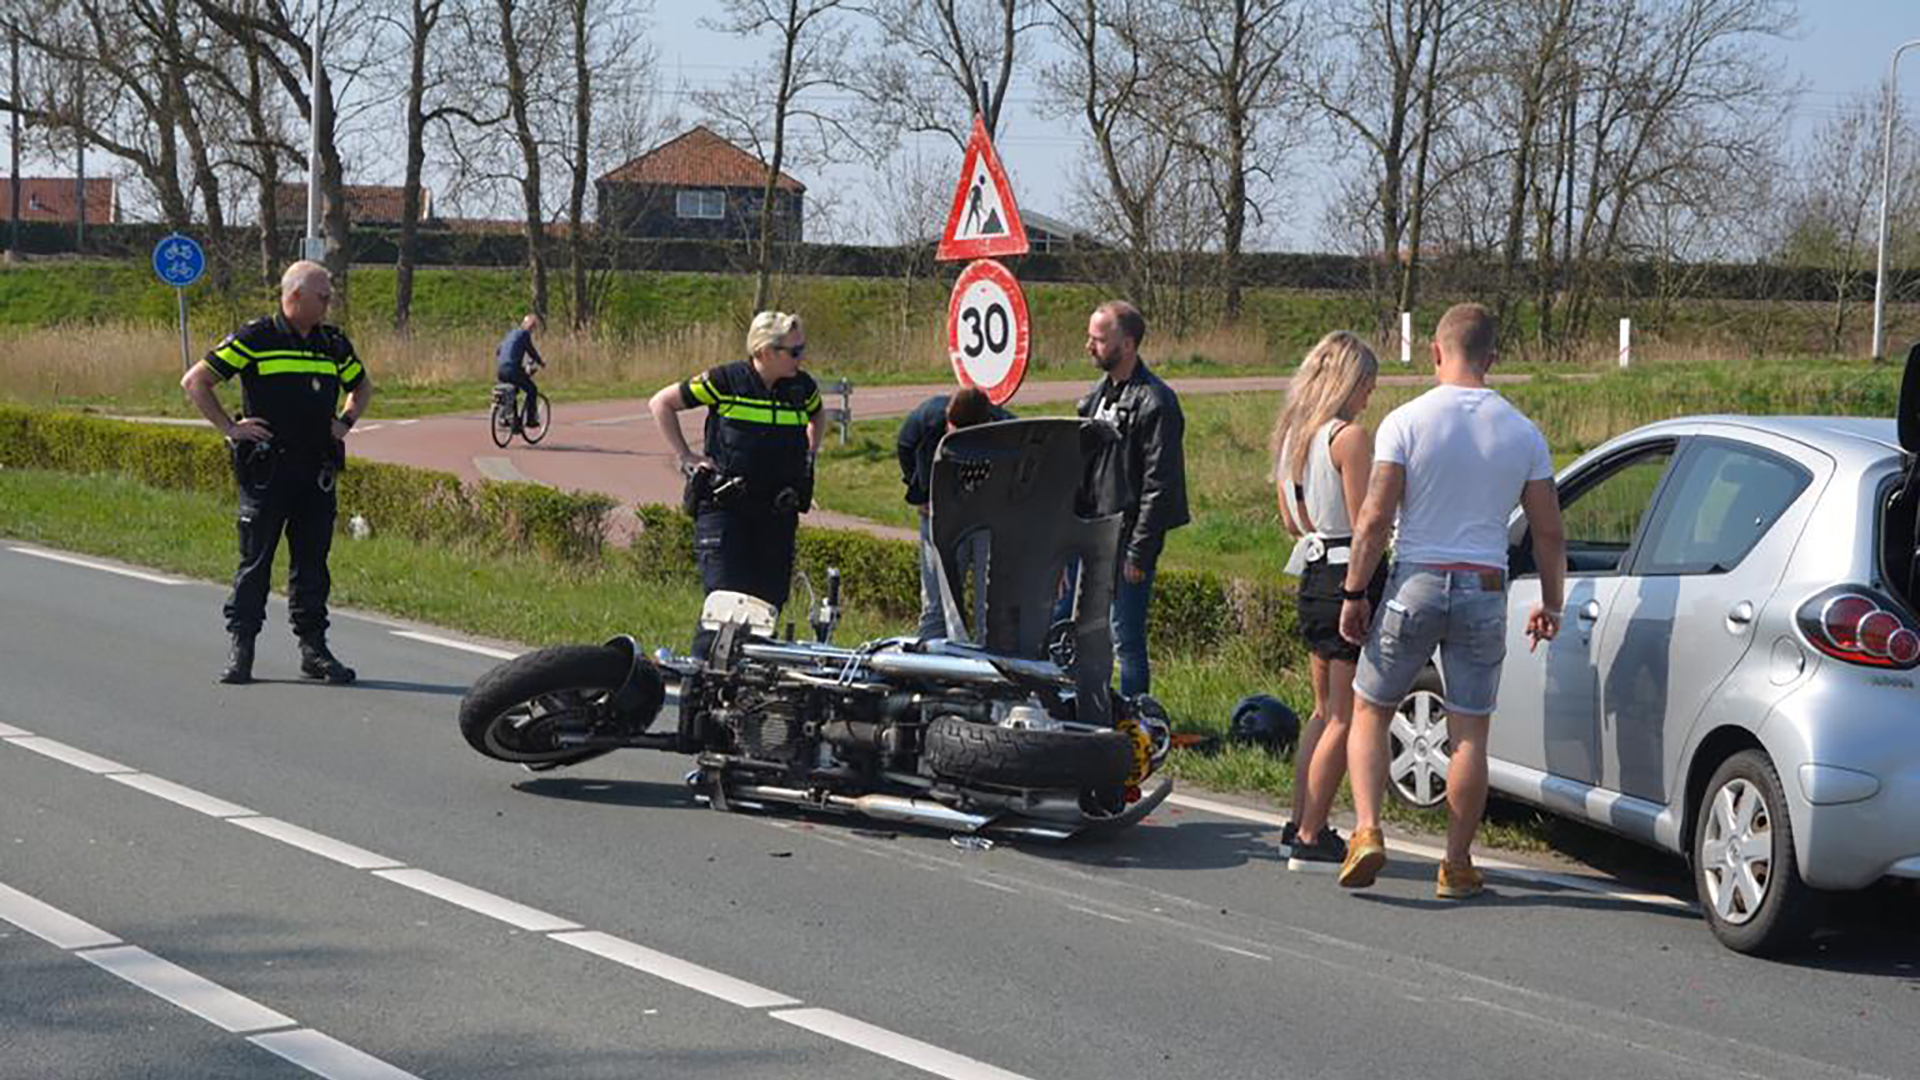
292 382
746 517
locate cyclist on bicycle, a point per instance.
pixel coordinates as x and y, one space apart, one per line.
517 360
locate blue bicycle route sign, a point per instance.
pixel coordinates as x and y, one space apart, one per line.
178 260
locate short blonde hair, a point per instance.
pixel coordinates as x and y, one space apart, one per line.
768 328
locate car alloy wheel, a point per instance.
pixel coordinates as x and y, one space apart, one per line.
1736 851
1419 748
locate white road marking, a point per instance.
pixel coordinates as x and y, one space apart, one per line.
478 900
185 796
369 427
890 1044
207 1000
77 758
615 421
1499 867
996 885
324 846
1231 949
675 970
92 565
1097 914
499 468
8 731
327 1056
49 923
450 643
407 423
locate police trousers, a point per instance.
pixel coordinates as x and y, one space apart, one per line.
746 550
287 493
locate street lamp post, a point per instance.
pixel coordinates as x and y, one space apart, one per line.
311 247
1886 180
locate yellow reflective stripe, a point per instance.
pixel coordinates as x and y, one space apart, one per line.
232 356
813 403
761 414
242 349
350 372
703 393
297 367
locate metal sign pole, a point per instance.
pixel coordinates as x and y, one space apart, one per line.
1886 178
185 349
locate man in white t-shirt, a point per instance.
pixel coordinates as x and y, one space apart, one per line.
1451 465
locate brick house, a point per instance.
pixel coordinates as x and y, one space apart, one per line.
697 186
51 198
371 205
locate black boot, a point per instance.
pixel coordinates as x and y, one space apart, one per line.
239 661
316 662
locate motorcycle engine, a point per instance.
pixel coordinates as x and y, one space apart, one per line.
768 730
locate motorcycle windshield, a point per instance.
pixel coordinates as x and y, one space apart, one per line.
1018 485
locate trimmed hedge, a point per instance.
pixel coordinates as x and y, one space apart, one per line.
419 503
1193 611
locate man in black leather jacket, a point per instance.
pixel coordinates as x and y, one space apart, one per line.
1142 475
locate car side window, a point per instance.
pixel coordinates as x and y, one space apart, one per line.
1603 515
1723 499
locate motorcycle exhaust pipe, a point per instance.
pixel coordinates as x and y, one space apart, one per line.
884 807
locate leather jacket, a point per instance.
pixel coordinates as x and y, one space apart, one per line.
1142 475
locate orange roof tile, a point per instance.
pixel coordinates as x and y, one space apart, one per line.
699 158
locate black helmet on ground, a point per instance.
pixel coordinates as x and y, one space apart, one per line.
1264 720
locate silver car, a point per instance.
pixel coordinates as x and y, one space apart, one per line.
1735 678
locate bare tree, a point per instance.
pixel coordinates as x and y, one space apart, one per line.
760 102
1223 66
1104 76
943 63
1392 81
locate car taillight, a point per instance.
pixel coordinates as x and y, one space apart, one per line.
1861 626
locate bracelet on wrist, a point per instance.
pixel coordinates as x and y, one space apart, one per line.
1352 594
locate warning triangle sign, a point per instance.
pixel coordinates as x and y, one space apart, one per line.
984 222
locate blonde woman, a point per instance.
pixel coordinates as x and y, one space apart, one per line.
1321 461
754 478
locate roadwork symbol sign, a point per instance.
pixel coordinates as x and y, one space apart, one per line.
984 221
987 330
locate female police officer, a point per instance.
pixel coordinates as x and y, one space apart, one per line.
747 490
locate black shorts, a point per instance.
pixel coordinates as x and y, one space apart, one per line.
1319 608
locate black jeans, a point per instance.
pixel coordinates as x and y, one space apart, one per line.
529 394
283 493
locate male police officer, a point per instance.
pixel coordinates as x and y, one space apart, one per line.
287 448
764 425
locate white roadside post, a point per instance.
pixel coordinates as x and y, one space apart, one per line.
1406 338
1626 341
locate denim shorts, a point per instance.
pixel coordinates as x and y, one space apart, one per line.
1424 608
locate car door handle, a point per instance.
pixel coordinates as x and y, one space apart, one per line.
1741 614
1589 612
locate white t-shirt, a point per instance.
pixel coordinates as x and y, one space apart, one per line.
1467 453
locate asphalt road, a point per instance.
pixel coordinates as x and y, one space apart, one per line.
289 880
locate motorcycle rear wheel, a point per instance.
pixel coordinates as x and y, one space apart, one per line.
979 753
516 711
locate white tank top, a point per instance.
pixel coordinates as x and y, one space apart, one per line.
1325 498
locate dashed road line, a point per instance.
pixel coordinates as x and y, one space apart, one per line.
675 970
1098 914
451 643
74 560
478 900
236 1013
69 755
888 1044
184 796
357 858
1230 949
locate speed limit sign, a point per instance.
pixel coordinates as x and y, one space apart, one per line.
987 329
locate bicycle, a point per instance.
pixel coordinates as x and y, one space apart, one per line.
506 418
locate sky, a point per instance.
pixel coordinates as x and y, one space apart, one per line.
1842 48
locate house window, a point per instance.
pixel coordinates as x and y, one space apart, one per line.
700 204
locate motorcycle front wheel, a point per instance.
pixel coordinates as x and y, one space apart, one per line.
518 711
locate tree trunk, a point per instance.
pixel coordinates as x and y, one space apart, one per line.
582 305
530 189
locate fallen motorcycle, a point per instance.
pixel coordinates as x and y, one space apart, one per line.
1007 727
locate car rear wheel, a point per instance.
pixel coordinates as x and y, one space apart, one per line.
1418 746
1744 868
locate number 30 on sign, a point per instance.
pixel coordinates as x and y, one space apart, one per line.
987 330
